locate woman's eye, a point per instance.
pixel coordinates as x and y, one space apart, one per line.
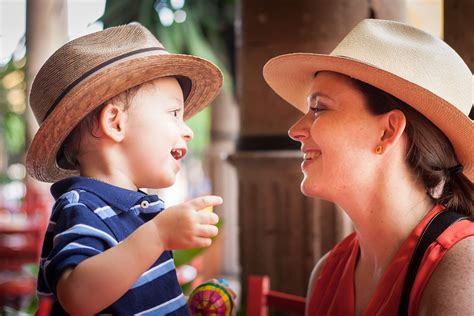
175 113
317 109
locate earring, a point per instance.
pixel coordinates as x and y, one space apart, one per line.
379 149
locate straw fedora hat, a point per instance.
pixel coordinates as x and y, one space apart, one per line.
89 70
406 62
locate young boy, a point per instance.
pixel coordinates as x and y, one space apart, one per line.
111 107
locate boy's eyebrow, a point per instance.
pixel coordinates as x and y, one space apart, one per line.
173 98
178 100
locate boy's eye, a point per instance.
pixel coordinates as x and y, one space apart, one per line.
175 113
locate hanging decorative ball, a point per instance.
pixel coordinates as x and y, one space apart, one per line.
211 299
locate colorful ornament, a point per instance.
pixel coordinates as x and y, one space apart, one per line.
211 299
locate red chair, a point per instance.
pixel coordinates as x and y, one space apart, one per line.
260 298
17 248
45 305
20 244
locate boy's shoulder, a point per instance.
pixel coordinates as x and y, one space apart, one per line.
78 199
77 191
80 204
102 198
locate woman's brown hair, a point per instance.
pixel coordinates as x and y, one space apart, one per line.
430 153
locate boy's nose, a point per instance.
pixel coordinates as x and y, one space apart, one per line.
187 132
300 130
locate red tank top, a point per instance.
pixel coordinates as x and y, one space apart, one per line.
333 292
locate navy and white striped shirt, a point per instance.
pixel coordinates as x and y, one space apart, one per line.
90 217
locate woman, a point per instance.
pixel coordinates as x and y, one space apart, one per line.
385 135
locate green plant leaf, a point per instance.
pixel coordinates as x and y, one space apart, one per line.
186 256
15 133
145 13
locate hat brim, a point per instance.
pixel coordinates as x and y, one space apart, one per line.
206 81
292 75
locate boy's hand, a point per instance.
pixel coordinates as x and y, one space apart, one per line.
184 226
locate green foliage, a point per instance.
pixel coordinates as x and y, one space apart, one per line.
200 124
15 132
201 34
32 268
12 124
186 256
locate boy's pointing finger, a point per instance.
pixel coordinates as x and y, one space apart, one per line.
205 201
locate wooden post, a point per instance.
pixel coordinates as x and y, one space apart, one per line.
458 28
46 31
283 233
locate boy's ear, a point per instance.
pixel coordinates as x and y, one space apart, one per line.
112 122
394 125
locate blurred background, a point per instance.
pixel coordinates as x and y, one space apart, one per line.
240 150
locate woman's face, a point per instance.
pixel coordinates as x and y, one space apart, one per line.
338 137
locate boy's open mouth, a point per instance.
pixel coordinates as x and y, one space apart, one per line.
178 153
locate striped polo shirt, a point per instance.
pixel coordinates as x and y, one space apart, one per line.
90 217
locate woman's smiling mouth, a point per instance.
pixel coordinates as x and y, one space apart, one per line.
311 155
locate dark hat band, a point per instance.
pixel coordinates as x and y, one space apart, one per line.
95 69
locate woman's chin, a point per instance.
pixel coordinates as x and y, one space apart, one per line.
309 190
315 190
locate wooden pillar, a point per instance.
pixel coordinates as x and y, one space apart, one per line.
221 259
459 28
283 233
46 31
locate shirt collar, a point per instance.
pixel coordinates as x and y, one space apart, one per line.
118 198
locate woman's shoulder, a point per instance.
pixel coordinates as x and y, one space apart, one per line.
343 247
314 276
450 287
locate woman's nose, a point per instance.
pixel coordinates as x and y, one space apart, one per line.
300 130
187 132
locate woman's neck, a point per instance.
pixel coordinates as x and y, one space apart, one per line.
382 236
383 218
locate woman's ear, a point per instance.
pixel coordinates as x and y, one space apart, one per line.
112 122
394 125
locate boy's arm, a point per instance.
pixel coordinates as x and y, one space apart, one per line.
99 281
